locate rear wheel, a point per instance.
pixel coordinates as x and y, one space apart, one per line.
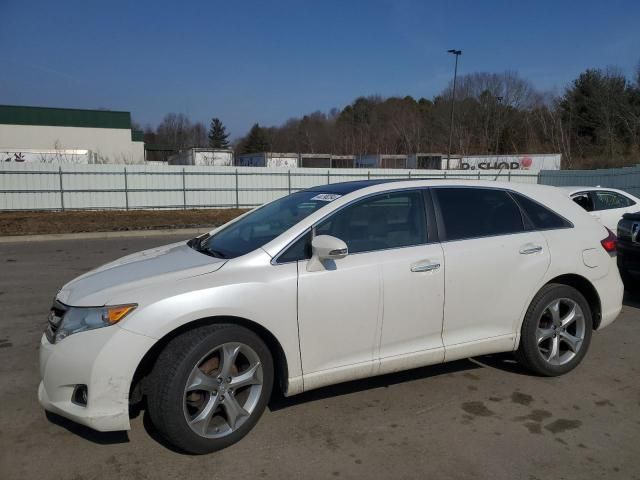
209 387
556 331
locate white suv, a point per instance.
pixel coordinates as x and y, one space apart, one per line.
326 285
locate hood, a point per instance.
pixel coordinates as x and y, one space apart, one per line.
143 269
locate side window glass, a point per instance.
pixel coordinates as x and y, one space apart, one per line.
299 250
609 200
584 200
477 212
541 217
390 220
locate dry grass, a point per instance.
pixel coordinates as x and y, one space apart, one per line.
33 222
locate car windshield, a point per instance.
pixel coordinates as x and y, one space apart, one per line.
262 225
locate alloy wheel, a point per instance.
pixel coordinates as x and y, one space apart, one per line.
561 331
222 390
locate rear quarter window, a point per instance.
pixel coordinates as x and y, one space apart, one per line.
541 217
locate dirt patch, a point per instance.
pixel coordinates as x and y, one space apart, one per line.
38 223
562 425
521 398
535 415
477 409
534 428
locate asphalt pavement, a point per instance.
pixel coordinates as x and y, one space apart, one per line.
483 418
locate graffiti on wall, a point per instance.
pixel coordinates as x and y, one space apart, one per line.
13 157
511 162
45 156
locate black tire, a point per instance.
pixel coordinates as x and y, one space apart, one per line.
166 386
528 352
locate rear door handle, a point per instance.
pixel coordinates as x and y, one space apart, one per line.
425 266
530 249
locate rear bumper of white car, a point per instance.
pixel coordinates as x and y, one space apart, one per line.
611 291
105 361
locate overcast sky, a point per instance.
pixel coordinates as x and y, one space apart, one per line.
266 61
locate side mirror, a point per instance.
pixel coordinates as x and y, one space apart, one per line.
325 249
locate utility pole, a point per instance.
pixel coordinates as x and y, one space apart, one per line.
498 105
457 53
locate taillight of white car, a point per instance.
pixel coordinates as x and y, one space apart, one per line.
610 243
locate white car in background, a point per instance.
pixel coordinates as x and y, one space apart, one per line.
330 284
608 205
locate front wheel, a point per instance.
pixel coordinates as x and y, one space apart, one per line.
556 331
209 387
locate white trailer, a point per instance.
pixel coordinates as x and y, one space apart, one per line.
382 160
267 159
202 157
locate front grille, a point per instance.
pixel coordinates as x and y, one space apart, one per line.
56 314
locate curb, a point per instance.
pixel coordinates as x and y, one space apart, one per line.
103 235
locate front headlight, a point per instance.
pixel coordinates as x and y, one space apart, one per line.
81 319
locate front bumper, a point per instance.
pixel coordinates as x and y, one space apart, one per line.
105 360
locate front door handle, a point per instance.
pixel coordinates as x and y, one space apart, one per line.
530 249
425 267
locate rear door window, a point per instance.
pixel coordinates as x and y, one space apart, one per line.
470 212
584 200
606 200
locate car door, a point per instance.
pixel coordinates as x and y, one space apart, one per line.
413 274
492 267
371 294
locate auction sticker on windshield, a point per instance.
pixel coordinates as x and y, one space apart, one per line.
326 197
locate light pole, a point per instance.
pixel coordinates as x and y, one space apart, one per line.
457 53
498 104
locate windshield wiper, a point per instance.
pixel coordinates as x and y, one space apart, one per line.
215 253
198 245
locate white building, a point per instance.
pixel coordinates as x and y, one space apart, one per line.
203 157
382 160
326 160
428 161
267 159
38 134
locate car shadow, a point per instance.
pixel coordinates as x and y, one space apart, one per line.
153 432
503 362
100 438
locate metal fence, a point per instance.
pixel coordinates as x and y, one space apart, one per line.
81 187
626 178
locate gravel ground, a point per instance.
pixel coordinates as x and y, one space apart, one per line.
483 418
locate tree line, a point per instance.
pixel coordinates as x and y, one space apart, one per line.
594 123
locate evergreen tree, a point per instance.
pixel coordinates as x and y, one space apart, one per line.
256 140
218 134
